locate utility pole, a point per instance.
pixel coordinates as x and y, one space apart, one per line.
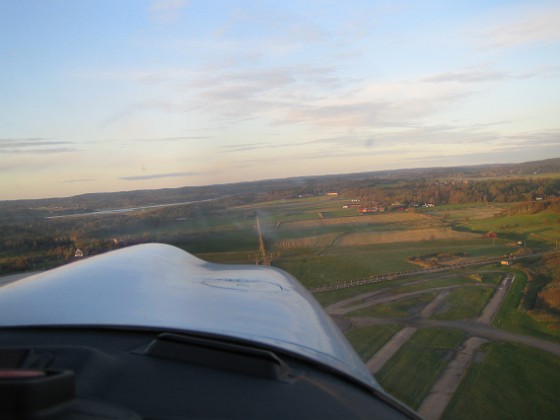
261 243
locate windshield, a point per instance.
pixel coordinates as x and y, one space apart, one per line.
400 159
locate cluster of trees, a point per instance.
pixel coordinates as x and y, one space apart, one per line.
421 189
458 192
551 205
542 293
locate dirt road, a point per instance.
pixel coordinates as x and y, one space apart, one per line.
395 343
389 349
380 296
442 391
479 332
472 328
496 300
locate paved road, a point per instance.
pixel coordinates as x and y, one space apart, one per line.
380 296
395 343
496 300
441 393
479 328
479 331
389 349
472 328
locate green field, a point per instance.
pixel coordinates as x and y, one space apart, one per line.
512 382
512 317
368 340
320 243
533 229
400 308
332 296
308 238
492 277
464 303
344 265
445 281
339 264
411 372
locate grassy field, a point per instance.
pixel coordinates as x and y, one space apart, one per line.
408 284
512 382
445 281
464 303
513 318
397 309
320 243
220 241
416 235
368 340
491 277
411 372
535 230
465 213
338 264
333 267
332 296
384 220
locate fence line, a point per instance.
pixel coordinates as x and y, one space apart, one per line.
393 276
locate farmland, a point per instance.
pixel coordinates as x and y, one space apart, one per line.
368 340
464 303
348 247
412 371
508 381
322 241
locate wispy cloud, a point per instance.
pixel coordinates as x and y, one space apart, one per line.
466 77
534 139
240 84
157 176
526 25
543 72
77 180
139 141
174 139
245 147
166 11
35 146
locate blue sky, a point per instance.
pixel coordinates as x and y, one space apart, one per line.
127 94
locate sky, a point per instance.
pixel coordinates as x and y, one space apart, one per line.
117 95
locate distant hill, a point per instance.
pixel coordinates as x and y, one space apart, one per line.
267 188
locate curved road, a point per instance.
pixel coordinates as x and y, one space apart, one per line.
473 328
370 298
479 331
